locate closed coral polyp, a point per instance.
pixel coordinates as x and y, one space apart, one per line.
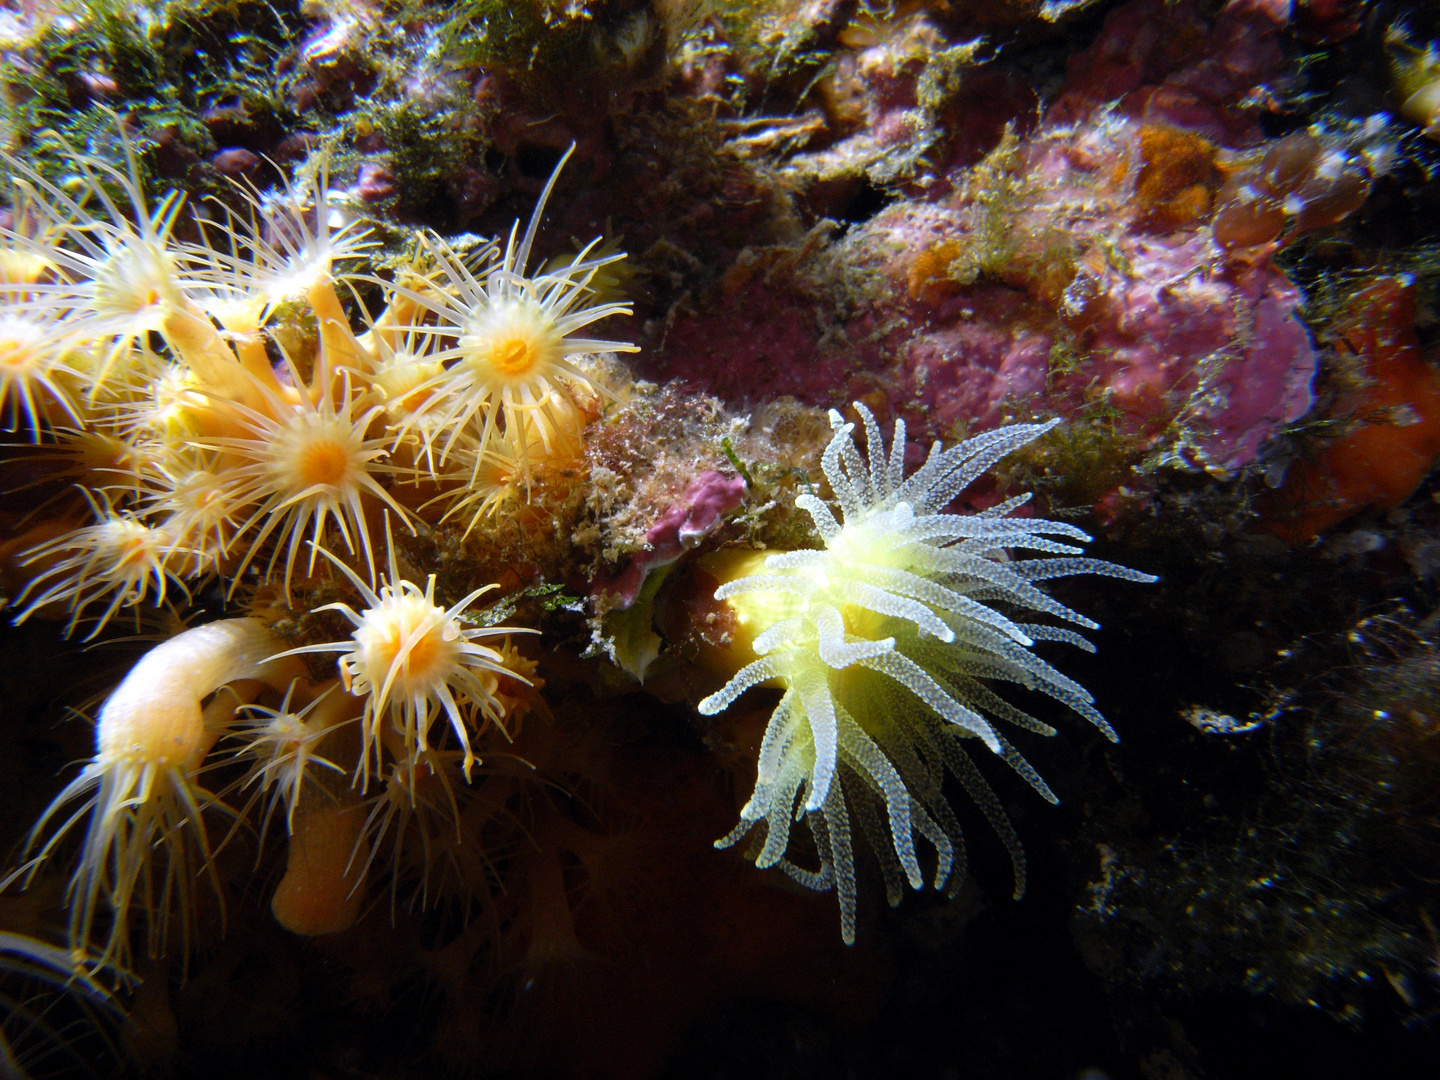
320 892
141 791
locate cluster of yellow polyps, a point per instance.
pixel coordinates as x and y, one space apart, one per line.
159 366
211 436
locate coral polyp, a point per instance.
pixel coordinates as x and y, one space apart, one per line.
510 364
283 744
119 560
411 659
34 378
114 275
278 247
300 466
885 641
142 791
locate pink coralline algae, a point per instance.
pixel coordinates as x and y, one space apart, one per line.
697 510
1075 271
1231 345
1178 344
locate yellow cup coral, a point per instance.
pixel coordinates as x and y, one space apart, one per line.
115 274
33 372
119 558
885 640
410 658
301 466
112 328
511 363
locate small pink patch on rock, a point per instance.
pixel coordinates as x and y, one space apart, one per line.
1270 385
1219 352
756 343
705 500
963 372
374 182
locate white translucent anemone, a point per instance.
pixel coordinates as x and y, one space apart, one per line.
885 641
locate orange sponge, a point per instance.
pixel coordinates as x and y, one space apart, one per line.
1396 437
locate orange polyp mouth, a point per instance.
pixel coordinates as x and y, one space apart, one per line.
424 653
416 400
513 356
491 474
144 301
386 648
19 346
22 268
325 463
132 553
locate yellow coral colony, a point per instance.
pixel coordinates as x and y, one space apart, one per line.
223 459
885 641
156 371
